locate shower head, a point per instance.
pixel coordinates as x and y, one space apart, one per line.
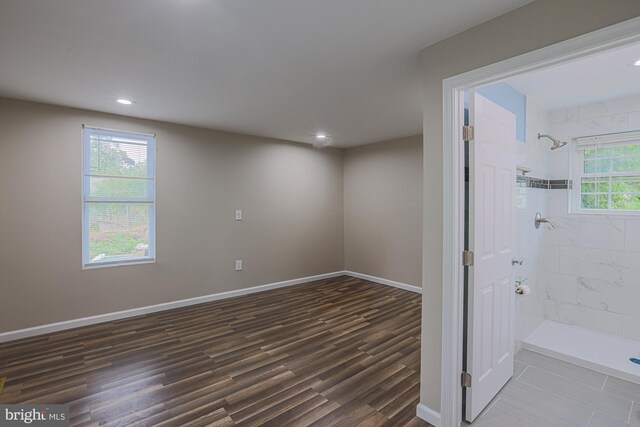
556 142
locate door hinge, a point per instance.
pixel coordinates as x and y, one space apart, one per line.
467 133
467 258
466 379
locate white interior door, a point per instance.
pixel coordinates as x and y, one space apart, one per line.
491 291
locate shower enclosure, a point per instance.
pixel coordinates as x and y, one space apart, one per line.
584 268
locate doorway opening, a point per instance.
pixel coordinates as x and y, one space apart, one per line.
545 194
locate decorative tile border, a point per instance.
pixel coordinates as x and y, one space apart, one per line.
562 184
546 184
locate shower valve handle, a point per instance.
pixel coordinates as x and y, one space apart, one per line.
540 220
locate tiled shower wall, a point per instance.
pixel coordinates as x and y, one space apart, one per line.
529 310
590 263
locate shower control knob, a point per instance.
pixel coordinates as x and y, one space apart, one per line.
517 261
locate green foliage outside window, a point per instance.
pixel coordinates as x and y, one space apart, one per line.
118 229
614 183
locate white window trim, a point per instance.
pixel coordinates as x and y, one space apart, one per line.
151 175
577 163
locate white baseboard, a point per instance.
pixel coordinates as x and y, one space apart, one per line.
387 282
84 321
107 317
427 414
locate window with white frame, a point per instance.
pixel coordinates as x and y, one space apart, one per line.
607 173
118 197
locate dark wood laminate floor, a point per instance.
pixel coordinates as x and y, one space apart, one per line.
341 351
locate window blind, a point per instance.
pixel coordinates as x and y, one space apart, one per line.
118 196
609 172
611 139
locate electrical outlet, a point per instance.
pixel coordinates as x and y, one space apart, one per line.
238 264
238 215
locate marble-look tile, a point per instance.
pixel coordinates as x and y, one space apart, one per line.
587 231
585 317
561 287
550 258
536 111
596 263
634 121
631 327
608 295
558 167
530 310
593 110
629 265
530 246
626 104
586 272
562 312
564 115
522 198
564 234
601 321
593 126
557 204
532 153
610 107
601 233
538 204
526 323
632 234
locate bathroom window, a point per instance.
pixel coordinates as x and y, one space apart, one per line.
607 173
118 197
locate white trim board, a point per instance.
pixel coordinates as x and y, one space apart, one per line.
619 35
107 317
382 281
427 414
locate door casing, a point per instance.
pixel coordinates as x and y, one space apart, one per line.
613 37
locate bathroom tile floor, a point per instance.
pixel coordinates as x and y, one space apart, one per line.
549 392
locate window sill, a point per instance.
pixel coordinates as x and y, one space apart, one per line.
617 214
119 263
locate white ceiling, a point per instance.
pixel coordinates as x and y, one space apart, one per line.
278 68
597 78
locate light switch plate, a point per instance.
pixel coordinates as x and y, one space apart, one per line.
238 215
238 264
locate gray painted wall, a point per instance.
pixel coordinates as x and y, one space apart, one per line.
536 25
291 196
383 210
290 193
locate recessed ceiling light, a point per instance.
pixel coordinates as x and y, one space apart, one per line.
637 63
124 101
322 140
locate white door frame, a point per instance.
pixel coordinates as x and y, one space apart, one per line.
615 36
